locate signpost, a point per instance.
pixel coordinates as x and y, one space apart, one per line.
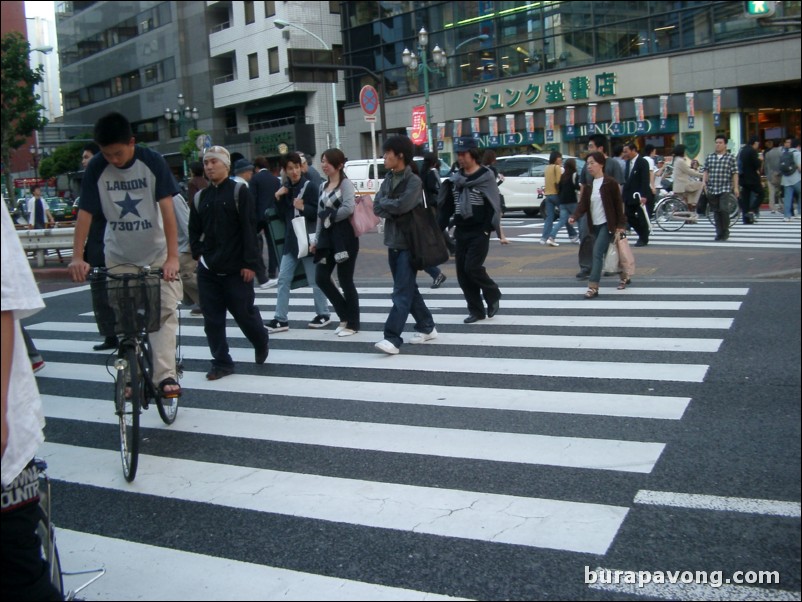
369 101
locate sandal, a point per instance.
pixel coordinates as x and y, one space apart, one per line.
169 382
622 284
591 293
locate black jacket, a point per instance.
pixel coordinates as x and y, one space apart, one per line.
223 230
638 181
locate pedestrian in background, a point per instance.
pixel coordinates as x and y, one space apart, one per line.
686 182
336 244
790 182
749 178
38 212
604 207
566 191
720 180
188 266
296 197
471 196
222 234
636 192
400 193
264 186
553 174
430 177
771 169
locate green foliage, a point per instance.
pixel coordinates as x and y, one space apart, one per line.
21 113
66 158
189 148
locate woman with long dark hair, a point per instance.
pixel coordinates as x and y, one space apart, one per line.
566 192
335 241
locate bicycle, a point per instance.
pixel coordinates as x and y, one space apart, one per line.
46 531
129 305
672 212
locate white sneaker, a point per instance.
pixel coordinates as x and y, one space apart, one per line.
542 242
421 337
387 347
575 240
346 332
552 243
269 284
340 327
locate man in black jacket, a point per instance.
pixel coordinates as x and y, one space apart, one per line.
222 234
749 178
636 176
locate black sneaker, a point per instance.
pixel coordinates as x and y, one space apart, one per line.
218 373
261 356
320 321
441 278
276 326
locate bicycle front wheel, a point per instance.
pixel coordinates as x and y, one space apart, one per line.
665 214
47 538
128 399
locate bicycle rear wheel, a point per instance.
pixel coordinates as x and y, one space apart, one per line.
47 537
128 396
664 214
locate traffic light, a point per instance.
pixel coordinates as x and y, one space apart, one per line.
759 9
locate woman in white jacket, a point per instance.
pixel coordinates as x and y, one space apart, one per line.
687 181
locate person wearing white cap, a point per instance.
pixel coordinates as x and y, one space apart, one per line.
222 234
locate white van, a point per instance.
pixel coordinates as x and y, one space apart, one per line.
360 172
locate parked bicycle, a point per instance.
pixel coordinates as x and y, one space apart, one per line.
46 531
129 305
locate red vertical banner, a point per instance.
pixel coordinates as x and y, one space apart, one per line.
475 127
591 118
419 135
457 128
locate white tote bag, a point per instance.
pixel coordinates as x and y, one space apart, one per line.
299 227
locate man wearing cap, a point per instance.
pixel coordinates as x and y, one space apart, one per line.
243 172
222 234
471 196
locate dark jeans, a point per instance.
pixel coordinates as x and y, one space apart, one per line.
721 217
346 304
751 197
637 218
406 299
472 248
219 293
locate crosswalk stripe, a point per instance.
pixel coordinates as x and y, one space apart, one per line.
719 503
697 345
533 522
204 577
449 364
494 446
542 291
657 407
616 322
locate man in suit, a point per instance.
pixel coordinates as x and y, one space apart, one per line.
637 182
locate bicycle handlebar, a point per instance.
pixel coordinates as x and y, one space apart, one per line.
99 273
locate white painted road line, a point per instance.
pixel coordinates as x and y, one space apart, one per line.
573 452
471 515
428 363
188 576
719 503
656 407
481 339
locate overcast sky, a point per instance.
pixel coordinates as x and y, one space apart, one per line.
41 9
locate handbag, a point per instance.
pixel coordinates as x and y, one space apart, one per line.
363 219
299 227
611 259
425 241
626 259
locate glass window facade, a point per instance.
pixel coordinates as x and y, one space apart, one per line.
488 41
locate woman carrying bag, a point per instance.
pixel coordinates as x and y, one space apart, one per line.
567 188
604 207
336 243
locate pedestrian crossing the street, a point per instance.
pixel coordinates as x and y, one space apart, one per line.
770 232
337 472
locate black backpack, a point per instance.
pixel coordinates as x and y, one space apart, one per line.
787 163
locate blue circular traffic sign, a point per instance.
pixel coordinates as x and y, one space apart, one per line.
369 99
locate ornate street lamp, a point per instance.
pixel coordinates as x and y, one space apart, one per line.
422 67
182 116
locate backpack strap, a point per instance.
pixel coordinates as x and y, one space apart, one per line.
237 187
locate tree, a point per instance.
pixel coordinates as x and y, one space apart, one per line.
189 148
21 112
65 158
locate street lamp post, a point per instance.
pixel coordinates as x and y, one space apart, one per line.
439 60
181 116
35 151
281 24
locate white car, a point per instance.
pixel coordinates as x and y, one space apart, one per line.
360 172
525 181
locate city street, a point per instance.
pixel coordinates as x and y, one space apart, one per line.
651 429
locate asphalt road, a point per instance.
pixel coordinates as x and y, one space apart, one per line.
652 429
